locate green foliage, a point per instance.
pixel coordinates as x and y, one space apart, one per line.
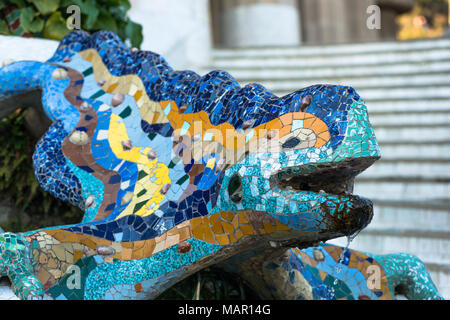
3 27
35 207
49 18
55 27
30 21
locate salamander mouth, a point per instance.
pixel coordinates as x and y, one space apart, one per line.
328 178
344 212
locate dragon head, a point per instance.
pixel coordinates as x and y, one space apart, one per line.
299 169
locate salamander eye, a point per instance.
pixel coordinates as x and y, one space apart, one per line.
298 139
235 188
291 143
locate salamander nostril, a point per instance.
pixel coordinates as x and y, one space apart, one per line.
291 143
235 188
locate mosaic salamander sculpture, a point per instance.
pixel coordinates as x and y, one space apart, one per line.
329 272
174 171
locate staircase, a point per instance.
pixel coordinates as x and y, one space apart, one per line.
406 86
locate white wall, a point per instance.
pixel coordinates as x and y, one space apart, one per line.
179 30
19 48
261 24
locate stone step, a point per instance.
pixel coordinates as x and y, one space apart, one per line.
366 59
401 188
410 118
411 215
327 50
360 84
406 105
408 169
428 151
413 133
326 74
429 246
422 93
441 278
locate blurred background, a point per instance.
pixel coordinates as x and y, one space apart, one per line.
396 53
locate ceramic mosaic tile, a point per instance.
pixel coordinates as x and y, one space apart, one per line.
177 171
329 272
